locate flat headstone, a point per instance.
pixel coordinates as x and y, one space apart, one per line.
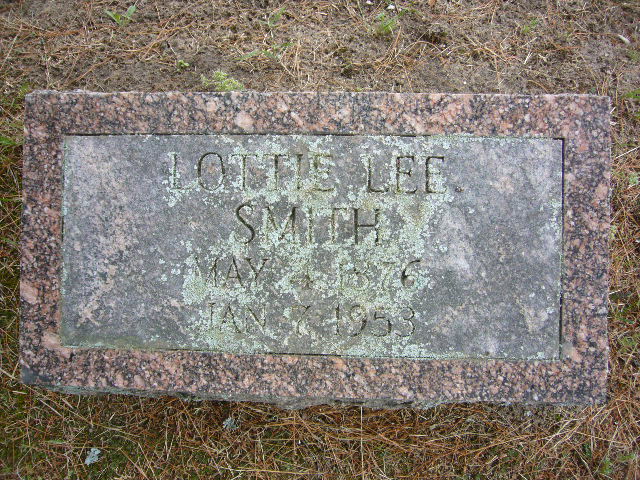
383 249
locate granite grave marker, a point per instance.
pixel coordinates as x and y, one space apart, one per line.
301 248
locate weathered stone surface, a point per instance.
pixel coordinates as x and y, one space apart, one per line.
249 244
144 264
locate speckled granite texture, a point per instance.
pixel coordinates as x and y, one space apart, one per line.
579 376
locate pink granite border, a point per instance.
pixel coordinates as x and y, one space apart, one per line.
578 377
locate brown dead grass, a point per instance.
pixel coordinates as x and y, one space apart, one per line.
490 46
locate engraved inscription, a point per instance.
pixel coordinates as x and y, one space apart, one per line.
303 224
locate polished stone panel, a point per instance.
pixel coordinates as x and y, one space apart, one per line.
393 246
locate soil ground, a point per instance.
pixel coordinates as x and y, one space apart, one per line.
434 46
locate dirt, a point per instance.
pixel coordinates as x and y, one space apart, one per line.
490 47
551 46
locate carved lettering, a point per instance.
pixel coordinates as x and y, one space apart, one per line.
245 222
204 271
287 226
280 171
243 167
298 321
380 316
207 168
370 182
233 272
358 313
256 270
321 167
286 198
260 320
406 278
174 174
334 221
229 315
404 171
408 318
356 321
357 225
434 181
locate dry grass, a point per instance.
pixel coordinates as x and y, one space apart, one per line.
490 46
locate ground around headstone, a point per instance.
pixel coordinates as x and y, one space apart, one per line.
538 47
